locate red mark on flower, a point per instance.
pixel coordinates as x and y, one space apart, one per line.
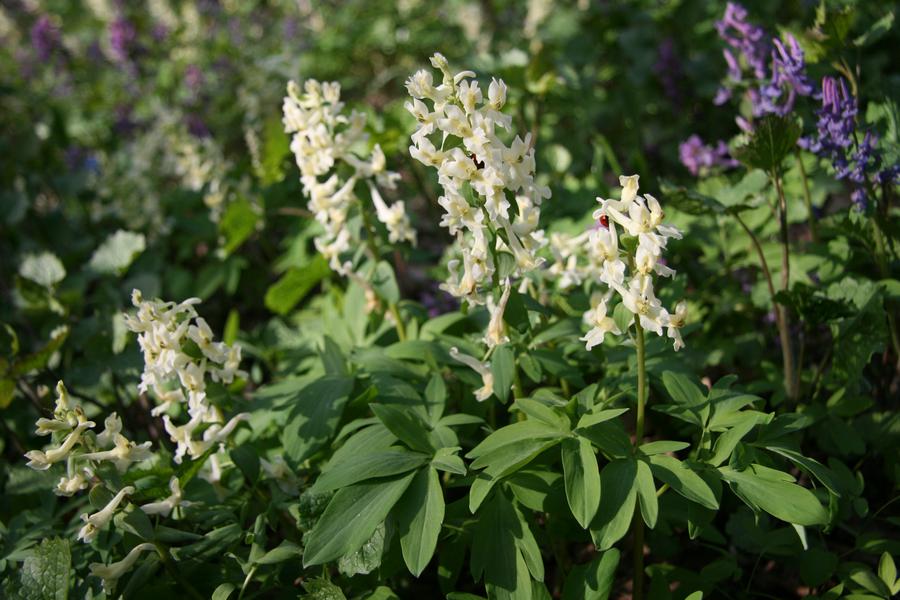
604 221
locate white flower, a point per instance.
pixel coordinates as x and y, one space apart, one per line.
495 334
675 323
483 369
112 426
123 454
112 572
164 507
478 177
600 324
73 482
97 521
41 460
641 301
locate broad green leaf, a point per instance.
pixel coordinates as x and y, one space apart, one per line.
682 389
501 541
379 463
512 434
582 479
599 416
407 425
351 518
445 459
781 499
285 551
811 465
594 580
436 397
646 492
609 437
420 513
772 140
619 485
542 412
504 462
683 480
224 591
314 416
117 252
662 447
367 557
385 283
726 442
503 366
46 571
295 284
887 571
322 589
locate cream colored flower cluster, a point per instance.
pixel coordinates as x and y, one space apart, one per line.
322 138
630 273
176 377
459 135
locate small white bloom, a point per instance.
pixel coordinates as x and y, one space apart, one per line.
483 369
112 572
41 460
600 324
164 507
97 521
495 333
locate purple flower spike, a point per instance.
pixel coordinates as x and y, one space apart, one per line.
45 38
788 81
747 39
700 158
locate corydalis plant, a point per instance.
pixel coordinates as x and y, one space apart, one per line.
458 135
322 138
628 269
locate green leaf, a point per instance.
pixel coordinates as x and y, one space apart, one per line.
385 283
772 140
599 416
726 442
682 389
811 465
285 551
503 366
379 463
237 224
878 30
646 492
887 571
784 500
351 518
314 416
619 485
501 541
582 479
117 252
322 589
436 397
510 435
542 412
683 480
406 424
276 145
367 557
224 591
662 447
43 269
594 580
445 459
295 284
46 571
420 513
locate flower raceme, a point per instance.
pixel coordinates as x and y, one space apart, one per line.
629 273
322 138
459 136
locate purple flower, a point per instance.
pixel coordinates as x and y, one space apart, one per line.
788 80
747 39
122 36
45 38
197 126
700 158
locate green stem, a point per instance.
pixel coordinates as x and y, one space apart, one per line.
517 383
371 237
807 198
637 523
790 380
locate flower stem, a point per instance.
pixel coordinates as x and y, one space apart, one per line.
790 380
807 198
637 523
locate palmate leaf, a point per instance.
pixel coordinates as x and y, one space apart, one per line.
594 580
683 480
383 463
314 416
772 140
351 518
